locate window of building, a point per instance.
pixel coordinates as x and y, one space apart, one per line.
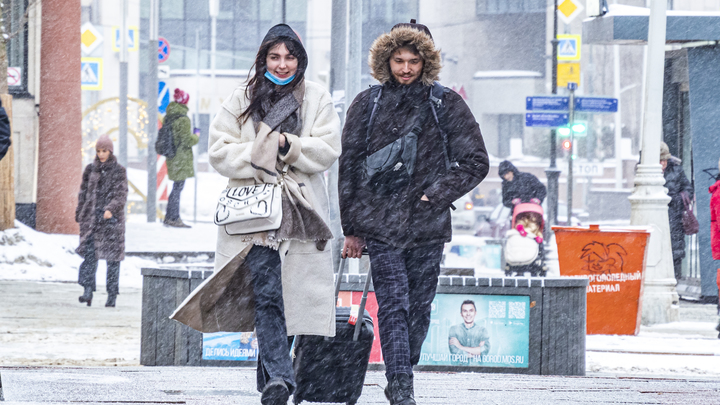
16 29
484 7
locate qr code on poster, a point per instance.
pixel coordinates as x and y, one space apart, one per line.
516 310
496 309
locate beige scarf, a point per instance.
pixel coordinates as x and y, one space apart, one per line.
300 221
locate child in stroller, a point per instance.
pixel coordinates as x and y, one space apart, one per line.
524 249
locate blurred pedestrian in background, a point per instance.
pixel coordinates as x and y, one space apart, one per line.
179 167
677 185
101 215
4 132
715 228
519 187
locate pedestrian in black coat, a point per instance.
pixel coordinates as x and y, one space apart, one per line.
406 223
101 215
677 184
4 132
519 187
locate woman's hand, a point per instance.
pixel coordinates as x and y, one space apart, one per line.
282 140
424 198
353 247
107 214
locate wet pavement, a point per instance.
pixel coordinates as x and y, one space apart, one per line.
188 385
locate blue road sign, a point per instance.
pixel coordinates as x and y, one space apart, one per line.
596 104
163 97
546 119
163 49
547 103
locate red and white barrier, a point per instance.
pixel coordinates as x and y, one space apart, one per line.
163 183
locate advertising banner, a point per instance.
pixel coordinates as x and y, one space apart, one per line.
478 331
230 346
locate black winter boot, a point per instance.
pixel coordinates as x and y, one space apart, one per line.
111 300
275 392
87 296
401 390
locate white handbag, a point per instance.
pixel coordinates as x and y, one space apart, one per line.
250 209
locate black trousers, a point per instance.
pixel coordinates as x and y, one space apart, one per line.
274 345
173 208
88 270
405 282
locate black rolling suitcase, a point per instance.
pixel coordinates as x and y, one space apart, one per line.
333 369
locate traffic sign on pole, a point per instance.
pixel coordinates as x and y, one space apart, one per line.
163 97
91 76
569 47
133 39
546 119
547 103
596 104
163 49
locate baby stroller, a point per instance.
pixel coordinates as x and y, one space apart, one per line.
524 249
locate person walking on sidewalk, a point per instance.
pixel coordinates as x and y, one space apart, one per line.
101 215
715 229
401 211
278 128
180 167
677 185
519 187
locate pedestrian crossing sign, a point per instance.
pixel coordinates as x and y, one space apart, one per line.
568 47
133 39
91 73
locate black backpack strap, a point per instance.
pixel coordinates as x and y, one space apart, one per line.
436 96
375 94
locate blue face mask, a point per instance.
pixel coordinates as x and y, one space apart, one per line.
278 80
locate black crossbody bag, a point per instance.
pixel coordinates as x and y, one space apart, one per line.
390 169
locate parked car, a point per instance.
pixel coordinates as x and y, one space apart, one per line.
463 216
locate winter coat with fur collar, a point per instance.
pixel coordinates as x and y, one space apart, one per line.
403 219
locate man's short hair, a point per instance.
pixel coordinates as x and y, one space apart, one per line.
468 302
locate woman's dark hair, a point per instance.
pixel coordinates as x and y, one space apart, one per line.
260 89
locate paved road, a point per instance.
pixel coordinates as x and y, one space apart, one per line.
170 385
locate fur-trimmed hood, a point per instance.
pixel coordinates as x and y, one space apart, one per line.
386 44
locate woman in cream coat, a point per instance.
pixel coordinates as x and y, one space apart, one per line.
279 283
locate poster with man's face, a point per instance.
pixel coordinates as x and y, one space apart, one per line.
478 331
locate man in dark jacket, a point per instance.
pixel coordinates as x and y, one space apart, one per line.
4 132
405 223
677 185
519 187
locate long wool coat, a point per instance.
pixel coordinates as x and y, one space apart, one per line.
714 218
104 187
225 302
677 183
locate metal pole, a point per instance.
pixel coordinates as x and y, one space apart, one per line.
338 35
123 93
284 12
570 180
197 116
214 11
152 111
354 63
552 173
618 119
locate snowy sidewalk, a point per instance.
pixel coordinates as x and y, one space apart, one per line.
203 386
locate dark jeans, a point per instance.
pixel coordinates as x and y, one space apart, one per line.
677 265
405 282
274 349
173 207
88 270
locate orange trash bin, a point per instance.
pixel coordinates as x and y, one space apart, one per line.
614 261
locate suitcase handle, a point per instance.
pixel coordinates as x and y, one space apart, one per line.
363 301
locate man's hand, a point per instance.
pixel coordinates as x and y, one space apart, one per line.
281 141
107 214
353 247
455 342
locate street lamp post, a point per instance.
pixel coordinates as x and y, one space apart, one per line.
649 199
152 110
552 173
